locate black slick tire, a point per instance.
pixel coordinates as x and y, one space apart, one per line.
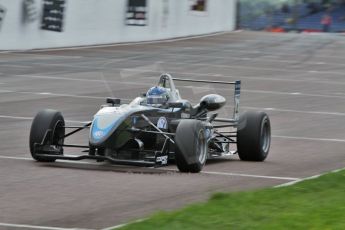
253 136
46 120
190 146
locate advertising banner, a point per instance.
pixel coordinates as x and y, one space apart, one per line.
29 11
2 14
136 14
165 13
198 5
52 17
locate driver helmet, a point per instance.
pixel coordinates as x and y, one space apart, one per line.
157 96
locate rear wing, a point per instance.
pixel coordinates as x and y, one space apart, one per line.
237 94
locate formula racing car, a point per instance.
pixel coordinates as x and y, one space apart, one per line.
158 128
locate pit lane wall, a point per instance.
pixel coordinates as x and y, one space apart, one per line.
35 24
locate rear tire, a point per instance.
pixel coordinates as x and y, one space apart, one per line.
190 146
47 120
253 136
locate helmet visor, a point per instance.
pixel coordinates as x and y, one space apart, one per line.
156 100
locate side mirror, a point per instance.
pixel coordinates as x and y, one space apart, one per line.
212 102
113 101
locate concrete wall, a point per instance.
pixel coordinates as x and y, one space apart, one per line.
91 22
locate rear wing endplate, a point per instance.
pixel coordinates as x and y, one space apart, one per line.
237 93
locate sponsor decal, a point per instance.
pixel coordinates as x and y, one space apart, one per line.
237 88
99 130
136 14
162 123
53 15
185 115
98 134
162 160
134 120
29 11
237 100
236 109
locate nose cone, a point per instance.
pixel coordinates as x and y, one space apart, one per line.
102 128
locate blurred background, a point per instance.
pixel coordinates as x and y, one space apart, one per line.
291 15
32 24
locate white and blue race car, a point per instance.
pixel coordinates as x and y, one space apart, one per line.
157 128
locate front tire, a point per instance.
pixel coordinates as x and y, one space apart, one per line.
47 120
191 146
254 136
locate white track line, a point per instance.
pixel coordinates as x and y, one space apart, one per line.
128 100
58 161
16 117
307 178
64 95
293 93
244 107
214 35
125 224
63 78
260 59
174 170
18 66
31 118
161 42
245 67
84 80
224 49
296 181
6 91
239 174
249 175
269 54
147 84
296 111
53 94
256 78
45 57
16 158
25 226
22 56
309 138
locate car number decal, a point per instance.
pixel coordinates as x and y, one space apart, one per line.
162 123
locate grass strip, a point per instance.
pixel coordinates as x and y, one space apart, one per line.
311 204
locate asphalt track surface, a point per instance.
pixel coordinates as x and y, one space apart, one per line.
298 79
